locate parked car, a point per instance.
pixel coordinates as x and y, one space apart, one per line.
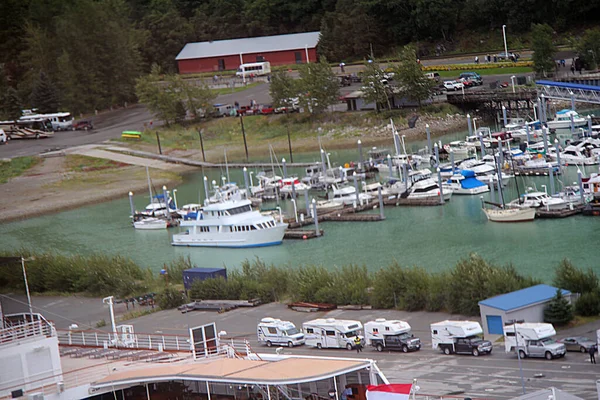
508 56
453 85
467 83
345 80
473 77
3 137
433 76
267 109
577 343
83 125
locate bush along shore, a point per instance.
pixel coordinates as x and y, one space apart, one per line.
457 290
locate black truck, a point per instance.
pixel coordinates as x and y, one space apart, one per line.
469 345
403 341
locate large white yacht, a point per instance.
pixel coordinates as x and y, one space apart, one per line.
231 223
563 120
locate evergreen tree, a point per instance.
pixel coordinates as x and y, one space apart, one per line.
318 86
12 104
44 96
588 48
412 82
569 277
558 311
543 49
374 90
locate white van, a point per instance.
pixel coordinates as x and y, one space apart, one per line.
3 137
332 333
257 69
62 121
272 331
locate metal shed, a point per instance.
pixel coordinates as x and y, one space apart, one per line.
526 304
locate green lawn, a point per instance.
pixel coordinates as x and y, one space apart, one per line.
15 167
235 89
491 71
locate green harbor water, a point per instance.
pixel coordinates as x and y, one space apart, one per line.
432 237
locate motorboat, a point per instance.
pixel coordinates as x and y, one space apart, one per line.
411 160
562 120
230 223
591 185
266 184
150 223
539 200
228 191
425 189
286 186
573 197
189 210
372 189
347 195
574 155
158 207
460 149
325 206
503 214
465 182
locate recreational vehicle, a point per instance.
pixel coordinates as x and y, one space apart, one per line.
272 331
533 340
332 333
62 121
391 335
459 337
255 69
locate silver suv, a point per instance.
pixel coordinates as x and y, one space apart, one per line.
543 348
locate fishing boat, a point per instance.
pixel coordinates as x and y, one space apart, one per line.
150 223
231 223
465 182
539 200
562 120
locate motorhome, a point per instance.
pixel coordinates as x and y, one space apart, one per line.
332 333
533 339
256 69
62 121
272 331
391 335
459 337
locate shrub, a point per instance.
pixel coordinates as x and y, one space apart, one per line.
171 298
588 305
567 276
558 311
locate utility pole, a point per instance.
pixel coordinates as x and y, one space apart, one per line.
290 143
158 141
244 134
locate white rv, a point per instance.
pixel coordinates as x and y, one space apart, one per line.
272 331
533 340
256 69
332 333
459 337
391 335
62 121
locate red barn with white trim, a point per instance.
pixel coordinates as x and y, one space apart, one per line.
221 55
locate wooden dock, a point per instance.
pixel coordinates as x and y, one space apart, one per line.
491 101
412 202
302 234
338 217
541 213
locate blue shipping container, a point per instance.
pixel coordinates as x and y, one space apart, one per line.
200 274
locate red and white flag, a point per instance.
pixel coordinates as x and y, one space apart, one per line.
399 391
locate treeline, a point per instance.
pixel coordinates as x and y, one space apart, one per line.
82 55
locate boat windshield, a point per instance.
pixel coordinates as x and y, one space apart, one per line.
292 331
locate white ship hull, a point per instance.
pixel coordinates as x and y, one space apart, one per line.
150 224
510 214
566 124
254 238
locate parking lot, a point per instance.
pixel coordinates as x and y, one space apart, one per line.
494 376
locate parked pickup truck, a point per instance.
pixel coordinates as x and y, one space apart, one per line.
473 345
404 342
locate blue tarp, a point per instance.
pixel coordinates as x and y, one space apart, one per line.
470 182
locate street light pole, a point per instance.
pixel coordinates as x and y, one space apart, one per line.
27 289
504 36
514 324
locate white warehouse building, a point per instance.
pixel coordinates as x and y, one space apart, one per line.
526 304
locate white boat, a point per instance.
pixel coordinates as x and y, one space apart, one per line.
509 214
326 206
230 223
461 149
286 186
572 197
372 189
539 200
150 223
562 120
229 191
425 189
465 182
573 155
347 195
189 209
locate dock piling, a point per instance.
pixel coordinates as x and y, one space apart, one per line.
380 196
360 155
439 173
131 206
452 160
527 132
294 189
428 138
436 150
572 124
551 175
481 145
316 217
389 162
356 187
556 146
504 119
545 137
307 201
589 121
544 110
580 182
246 182
205 179
323 165
470 124
284 164
166 198
572 102
492 190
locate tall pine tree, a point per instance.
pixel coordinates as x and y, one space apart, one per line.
44 96
558 311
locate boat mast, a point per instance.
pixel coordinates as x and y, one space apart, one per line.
226 164
512 159
149 184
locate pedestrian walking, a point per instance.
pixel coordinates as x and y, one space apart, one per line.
342 69
357 344
573 69
592 350
476 60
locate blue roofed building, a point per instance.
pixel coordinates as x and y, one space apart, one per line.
526 304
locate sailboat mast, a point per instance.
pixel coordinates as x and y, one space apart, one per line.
149 184
226 164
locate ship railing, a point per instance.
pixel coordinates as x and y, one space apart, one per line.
141 341
238 348
17 332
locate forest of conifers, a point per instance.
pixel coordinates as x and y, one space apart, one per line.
88 53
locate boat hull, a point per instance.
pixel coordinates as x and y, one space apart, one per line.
255 238
510 214
151 226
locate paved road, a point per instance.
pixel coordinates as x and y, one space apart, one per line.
494 376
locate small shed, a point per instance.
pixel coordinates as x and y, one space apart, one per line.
200 274
527 304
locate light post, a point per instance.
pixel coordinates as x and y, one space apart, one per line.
514 323
512 80
504 36
27 287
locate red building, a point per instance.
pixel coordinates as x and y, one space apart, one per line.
223 55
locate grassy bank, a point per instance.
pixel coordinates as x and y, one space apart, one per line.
16 167
236 89
489 71
303 128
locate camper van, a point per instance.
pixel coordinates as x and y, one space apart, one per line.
533 340
391 335
62 121
460 337
332 333
255 69
272 331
